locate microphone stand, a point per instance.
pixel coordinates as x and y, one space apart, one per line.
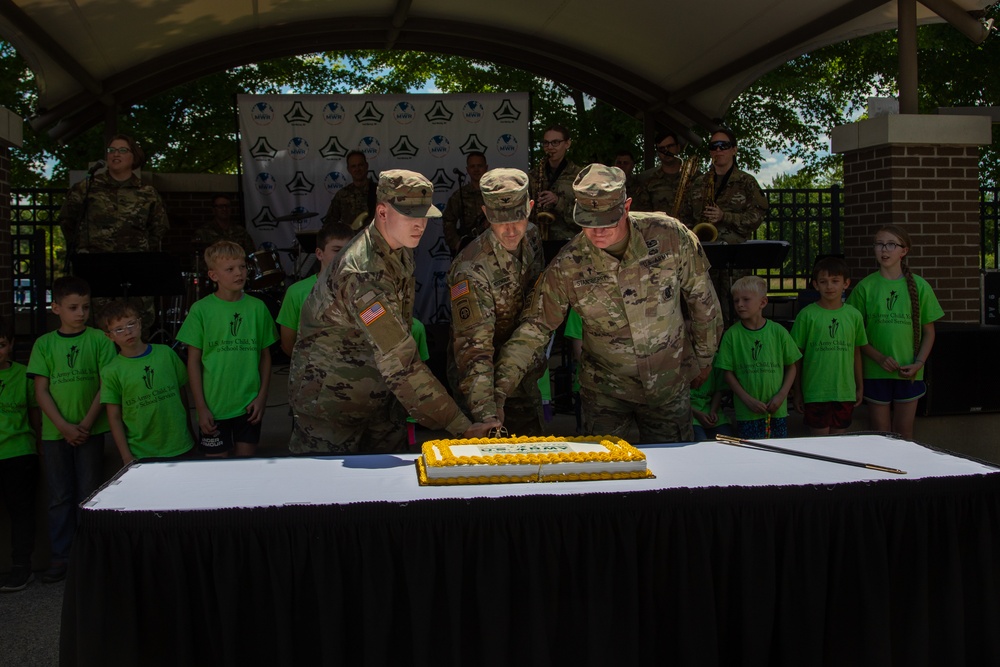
82 218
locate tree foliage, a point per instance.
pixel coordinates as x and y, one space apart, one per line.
791 110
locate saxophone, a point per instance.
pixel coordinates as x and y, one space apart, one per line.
706 231
544 217
687 172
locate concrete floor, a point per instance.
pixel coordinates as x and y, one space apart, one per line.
29 620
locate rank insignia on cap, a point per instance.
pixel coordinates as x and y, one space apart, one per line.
459 290
372 313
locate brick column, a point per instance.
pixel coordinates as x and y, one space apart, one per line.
921 173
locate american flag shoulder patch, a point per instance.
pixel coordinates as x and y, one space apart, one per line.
459 289
372 313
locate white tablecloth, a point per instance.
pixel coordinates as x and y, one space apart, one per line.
218 484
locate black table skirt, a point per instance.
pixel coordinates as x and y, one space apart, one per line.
883 573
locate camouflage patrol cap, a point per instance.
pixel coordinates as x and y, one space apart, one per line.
505 194
600 196
408 192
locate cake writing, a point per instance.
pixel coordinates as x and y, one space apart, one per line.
526 448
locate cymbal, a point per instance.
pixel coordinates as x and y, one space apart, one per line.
293 217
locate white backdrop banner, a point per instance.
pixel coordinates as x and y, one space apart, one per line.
293 149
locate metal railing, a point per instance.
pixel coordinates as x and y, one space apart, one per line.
38 251
989 229
810 220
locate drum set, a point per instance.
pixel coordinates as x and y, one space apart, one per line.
266 279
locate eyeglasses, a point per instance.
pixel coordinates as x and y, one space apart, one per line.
553 143
666 149
890 246
120 149
720 146
131 324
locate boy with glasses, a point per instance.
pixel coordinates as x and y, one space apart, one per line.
143 391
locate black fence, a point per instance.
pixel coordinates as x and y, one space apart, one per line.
809 219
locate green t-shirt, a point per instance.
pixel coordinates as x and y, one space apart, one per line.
72 363
291 306
17 394
419 333
828 340
574 330
148 388
758 359
885 307
701 398
230 335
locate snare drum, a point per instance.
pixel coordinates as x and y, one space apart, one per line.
264 270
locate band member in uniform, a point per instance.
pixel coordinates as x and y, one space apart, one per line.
356 372
222 228
491 281
657 189
354 204
463 216
625 160
628 276
724 196
551 187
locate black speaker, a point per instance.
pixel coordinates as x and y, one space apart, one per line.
962 371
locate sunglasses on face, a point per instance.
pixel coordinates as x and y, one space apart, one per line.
720 146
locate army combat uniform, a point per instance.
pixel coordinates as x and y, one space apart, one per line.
562 227
213 233
490 287
638 358
355 371
349 203
463 217
121 216
740 198
656 191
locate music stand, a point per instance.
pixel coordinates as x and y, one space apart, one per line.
749 255
125 274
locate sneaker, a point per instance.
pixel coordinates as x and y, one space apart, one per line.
18 580
56 572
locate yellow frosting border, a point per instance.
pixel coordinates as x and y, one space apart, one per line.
519 479
618 450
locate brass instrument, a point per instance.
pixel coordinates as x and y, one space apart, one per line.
360 221
706 231
544 216
687 172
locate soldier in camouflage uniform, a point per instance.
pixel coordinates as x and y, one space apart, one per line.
626 275
222 228
491 281
114 212
463 216
355 370
353 204
740 205
551 187
657 188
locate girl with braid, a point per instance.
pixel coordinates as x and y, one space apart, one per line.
899 311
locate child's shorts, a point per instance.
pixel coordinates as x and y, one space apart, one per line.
231 431
757 429
829 414
885 391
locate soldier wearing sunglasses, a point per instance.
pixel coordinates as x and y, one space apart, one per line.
726 197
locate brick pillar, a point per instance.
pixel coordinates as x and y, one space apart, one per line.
921 173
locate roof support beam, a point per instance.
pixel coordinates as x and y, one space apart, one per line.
971 27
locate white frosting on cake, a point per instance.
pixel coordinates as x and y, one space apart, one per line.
550 459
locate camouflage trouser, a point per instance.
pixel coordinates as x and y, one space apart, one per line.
376 428
664 422
523 415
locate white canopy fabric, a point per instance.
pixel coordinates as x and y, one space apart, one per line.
676 63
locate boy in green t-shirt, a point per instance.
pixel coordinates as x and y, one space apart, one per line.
20 422
758 357
829 383
330 240
229 363
143 389
66 366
